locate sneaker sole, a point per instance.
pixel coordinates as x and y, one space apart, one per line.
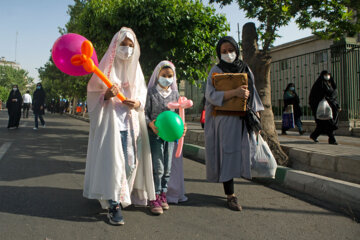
156 213
113 222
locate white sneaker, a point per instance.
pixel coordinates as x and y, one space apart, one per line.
43 126
35 128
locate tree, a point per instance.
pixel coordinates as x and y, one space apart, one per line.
182 31
327 19
10 76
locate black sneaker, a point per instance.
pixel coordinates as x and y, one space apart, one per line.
314 139
233 204
114 215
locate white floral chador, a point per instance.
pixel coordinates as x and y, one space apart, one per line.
108 176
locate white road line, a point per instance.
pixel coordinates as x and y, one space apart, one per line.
4 148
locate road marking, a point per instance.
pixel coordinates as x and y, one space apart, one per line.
4 148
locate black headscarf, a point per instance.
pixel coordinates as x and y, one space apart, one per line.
237 66
323 88
12 95
292 99
39 100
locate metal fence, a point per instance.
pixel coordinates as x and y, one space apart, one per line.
303 70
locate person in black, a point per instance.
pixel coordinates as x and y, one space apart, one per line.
13 105
38 105
325 87
291 98
52 106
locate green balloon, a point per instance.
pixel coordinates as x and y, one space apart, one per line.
170 126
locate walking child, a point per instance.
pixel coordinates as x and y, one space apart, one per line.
162 89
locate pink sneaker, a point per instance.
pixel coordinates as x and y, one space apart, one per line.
155 207
163 201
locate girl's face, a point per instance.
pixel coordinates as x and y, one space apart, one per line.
227 48
127 43
166 73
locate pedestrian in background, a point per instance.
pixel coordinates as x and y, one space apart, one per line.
39 105
27 103
228 144
325 88
13 105
291 98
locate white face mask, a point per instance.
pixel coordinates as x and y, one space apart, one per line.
327 77
165 82
124 52
229 58
15 89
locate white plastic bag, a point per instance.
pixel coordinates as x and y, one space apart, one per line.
324 111
264 164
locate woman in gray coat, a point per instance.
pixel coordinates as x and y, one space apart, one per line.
229 145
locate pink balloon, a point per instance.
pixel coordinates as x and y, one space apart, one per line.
64 48
181 104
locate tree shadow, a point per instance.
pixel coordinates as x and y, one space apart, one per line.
47 202
203 200
205 181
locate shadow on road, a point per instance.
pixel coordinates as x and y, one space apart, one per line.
46 202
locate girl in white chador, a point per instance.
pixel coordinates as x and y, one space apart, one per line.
118 165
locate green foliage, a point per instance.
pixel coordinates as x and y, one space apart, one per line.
182 31
10 76
56 83
4 93
331 19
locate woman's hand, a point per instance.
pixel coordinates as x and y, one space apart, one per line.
111 92
132 104
242 92
153 127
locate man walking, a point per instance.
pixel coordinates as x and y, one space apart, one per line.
27 103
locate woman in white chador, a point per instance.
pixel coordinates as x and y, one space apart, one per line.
118 165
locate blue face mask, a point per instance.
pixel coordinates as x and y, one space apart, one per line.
165 82
38 87
292 89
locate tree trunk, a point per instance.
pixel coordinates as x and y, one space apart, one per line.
74 105
259 63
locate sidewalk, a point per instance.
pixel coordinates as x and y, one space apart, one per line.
315 167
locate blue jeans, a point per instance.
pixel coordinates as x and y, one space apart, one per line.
41 120
161 153
123 135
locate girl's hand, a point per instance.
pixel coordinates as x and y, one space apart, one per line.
153 127
185 130
111 92
132 104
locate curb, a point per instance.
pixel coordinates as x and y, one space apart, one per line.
78 117
344 195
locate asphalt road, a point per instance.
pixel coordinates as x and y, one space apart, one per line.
41 178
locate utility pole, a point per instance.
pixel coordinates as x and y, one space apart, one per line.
239 42
16 44
238 32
